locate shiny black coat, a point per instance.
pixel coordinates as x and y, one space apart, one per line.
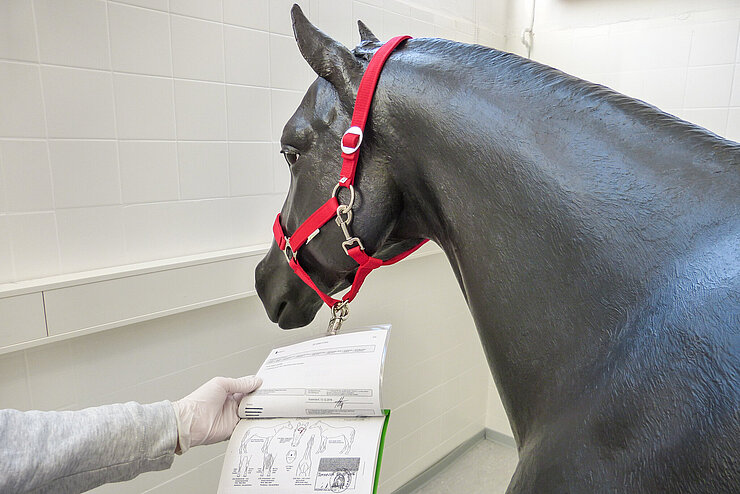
596 240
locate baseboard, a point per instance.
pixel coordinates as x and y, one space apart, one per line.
430 472
500 437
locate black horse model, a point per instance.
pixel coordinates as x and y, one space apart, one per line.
596 240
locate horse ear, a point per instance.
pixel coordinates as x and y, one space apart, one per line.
366 36
328 58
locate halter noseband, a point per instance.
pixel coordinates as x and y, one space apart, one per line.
350 144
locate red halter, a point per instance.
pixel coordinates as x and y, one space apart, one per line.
350 144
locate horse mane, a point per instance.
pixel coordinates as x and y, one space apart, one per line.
536 77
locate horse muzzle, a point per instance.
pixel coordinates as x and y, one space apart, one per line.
287 300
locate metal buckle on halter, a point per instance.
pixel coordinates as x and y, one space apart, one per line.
350 241
354 130
289 248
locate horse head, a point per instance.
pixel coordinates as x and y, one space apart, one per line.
310 143
299 431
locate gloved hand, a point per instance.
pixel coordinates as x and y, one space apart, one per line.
208 414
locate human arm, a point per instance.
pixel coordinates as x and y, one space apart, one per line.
74 451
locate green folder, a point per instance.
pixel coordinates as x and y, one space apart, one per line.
387 414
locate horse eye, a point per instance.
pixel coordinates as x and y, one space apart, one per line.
290 157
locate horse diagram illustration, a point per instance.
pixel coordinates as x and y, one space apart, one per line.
300 430
267 434
267 460
245 457
290 456
304 466
347 434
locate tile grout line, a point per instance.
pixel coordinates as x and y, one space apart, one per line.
48 149
226 111
115 105
120 205
174 102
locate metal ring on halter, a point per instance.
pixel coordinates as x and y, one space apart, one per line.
339 313
340 310
342 209
351 194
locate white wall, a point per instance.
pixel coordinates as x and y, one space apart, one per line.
679 55
136 130
147 129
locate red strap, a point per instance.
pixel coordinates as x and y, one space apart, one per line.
362 107
277 231
318 219
404 255
367 264
351 142
308 281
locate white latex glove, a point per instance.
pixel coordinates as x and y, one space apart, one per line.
208 414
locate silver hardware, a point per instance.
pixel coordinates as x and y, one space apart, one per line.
310 237
288 248
339 313
351 194
342 209
343 225
350 241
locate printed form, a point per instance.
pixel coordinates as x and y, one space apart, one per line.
316 423
333 375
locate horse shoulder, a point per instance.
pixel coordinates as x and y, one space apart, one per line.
660 413
665 413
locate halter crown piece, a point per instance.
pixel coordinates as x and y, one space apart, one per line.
350 145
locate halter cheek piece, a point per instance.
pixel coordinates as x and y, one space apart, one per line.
350 144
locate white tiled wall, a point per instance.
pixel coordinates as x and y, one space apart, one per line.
680 56
136 130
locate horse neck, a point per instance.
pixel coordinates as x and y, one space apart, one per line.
532 198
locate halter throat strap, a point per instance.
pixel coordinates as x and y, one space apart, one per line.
350 146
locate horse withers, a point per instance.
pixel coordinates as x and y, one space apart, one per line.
596 240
